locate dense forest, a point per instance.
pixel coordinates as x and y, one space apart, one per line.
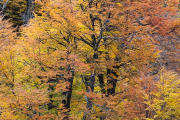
89 60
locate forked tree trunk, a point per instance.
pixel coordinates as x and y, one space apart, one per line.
112 77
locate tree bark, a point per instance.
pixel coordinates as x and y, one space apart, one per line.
111 82
30 10
101 82
67 100
89 82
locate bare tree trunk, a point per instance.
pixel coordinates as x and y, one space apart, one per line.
30 9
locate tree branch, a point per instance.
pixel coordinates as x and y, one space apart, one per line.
115 38
101 107
99 38
83 40
4 6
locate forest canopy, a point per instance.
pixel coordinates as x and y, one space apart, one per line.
89 59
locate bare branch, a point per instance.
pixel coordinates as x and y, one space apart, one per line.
4 6
116 38
99 37
102 107
131 38
83 40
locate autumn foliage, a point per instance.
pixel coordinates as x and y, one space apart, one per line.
91 59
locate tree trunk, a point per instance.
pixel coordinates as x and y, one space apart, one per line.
111 82
67 99
30 10
52 88
101 82
89 82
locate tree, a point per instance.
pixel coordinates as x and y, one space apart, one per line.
7 40
54 54
165 103
20 97
104 22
